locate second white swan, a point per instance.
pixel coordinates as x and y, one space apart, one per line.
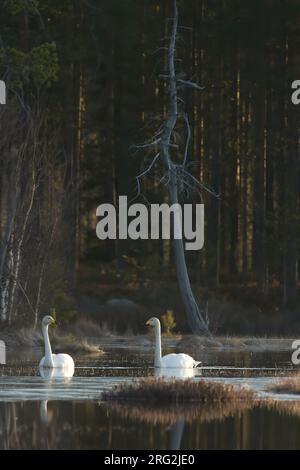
180 360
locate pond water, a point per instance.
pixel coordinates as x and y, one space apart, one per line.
37 413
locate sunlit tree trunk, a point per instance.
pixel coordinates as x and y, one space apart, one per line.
196 318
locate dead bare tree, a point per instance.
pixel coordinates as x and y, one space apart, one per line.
176 176
30 207
9 195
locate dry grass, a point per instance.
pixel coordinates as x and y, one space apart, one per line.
85 327
160 391
25 337
30 338
71 344
288 386
155 400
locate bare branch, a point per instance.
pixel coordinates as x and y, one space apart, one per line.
183 179
201 185
23 292
146 145
144 173
189 84
188 138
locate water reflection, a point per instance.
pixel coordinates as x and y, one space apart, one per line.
176 433
53 417
44 412
48 373
89 425
170 414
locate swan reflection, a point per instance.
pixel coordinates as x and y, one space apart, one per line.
176 433
46 415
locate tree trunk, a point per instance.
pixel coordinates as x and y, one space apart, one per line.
196 318
259 210
292 180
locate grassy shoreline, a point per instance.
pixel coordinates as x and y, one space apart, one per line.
30 338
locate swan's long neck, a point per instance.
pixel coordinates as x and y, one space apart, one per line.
157 354
48 362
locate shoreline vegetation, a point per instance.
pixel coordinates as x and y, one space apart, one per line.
156 400
169 401
158 391
110 316
124 302
69 340
113 313
290 386
88 337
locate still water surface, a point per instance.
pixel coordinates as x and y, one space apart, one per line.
37 413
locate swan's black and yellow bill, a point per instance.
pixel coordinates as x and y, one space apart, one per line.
148 323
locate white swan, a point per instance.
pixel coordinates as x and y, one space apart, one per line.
63 363
181 360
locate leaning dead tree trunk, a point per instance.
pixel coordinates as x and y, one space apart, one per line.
197 319
176 176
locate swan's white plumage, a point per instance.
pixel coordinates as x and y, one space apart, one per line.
173 361
62 361
179 360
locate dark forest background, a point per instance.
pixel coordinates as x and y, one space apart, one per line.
83 86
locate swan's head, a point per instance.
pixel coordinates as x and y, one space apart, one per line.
48 321
153 322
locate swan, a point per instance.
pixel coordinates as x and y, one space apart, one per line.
181 360
62 363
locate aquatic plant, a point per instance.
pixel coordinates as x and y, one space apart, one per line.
160 391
